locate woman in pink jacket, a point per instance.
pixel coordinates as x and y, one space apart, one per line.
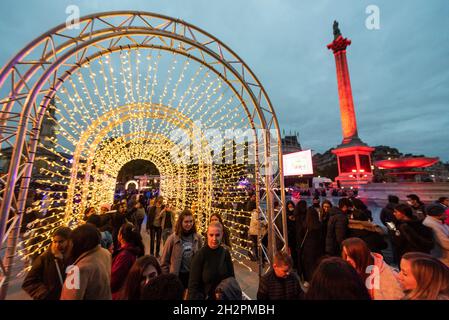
380 279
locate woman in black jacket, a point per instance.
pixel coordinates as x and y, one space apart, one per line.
312 246
300 229
291 232
211 265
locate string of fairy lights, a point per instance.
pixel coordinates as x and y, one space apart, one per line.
134 104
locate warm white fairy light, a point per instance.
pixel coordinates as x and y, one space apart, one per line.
188 92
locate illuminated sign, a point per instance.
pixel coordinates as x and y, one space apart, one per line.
298 163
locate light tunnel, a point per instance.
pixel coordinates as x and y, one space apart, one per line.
79 104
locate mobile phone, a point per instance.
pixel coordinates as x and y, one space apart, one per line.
391 226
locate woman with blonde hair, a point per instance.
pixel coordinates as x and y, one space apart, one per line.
211 265
216 217
424 277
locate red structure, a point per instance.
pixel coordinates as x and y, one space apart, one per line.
406 169
353 156
406 163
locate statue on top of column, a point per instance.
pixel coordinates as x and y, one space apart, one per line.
337 32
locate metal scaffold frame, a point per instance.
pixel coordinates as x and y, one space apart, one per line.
31 79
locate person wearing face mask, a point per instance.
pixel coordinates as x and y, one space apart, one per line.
291 231
181 247
211 265
280 283
316 202
435 221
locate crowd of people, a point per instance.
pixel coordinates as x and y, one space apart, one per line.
335 252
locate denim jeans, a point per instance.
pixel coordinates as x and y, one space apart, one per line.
155 237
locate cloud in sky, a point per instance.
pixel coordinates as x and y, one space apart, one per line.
399 74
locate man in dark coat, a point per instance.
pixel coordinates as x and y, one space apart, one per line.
411 235
386 215
417 206
337 227
45 279
280 283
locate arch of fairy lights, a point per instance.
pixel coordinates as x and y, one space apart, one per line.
134 182
114 90
123 150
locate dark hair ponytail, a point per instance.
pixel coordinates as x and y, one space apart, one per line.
132 236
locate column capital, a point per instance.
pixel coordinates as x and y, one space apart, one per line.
339 44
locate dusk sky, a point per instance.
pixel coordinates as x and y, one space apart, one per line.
399 73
